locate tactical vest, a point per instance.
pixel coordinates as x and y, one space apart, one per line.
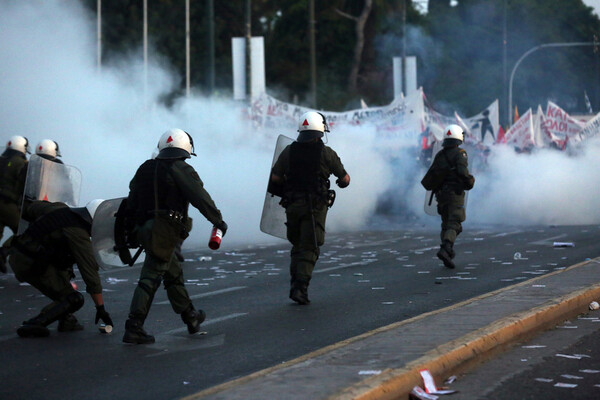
304 168
11 184
154 192
452 181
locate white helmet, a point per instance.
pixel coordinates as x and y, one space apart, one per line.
311 125
455 132
48 148
18 143
175 143
87 213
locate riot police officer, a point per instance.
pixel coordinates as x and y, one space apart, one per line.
159 196
304 168
448 177
13 170
43 255
49 150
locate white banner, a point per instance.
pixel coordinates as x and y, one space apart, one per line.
520 134
561 125
484 127
591 128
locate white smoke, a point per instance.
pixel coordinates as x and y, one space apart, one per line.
108 122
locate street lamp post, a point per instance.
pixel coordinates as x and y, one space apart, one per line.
528 52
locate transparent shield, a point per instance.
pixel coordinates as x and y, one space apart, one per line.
51 181
273 217
103 233
430 201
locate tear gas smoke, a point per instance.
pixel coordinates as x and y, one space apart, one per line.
108 122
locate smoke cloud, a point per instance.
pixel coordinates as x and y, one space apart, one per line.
108 122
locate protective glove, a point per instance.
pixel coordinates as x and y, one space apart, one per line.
342 184
102 314
222 226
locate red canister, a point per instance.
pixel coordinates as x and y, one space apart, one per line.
215 239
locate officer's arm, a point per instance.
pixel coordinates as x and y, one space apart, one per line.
462 169
80 247
191 186
337 168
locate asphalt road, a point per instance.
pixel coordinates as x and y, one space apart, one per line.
363 281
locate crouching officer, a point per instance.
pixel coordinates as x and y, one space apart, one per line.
43 256
303 168
13 171
448 177
159 196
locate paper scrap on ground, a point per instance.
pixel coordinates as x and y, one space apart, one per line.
420 394
565 385
370 372
545 380
568 356
564 244
567 376
589 371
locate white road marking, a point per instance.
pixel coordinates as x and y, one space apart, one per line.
207 294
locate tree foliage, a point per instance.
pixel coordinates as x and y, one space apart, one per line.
459 47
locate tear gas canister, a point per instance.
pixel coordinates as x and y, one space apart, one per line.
215 239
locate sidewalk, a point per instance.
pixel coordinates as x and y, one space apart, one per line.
385 363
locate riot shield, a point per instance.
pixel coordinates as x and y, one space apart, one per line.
273 217
50 181
109 248
430 201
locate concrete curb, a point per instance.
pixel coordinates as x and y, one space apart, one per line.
456 355
448 358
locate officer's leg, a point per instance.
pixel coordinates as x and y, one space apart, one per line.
306 253
150 278
9 216
179 297
36 327
445 253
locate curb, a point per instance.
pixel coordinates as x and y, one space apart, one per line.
457 355
451 357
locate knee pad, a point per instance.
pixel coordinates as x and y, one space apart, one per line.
172 282
75 300
149 285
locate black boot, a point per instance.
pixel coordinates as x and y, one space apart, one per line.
193 318
299 292
446 254
33 328
135 333
69 324
3 255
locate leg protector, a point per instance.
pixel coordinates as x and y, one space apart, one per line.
193 318
36 327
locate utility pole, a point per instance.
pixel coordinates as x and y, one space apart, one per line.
145 48
248 48
187 48
404 48
313 53
504 51
99 34
210 14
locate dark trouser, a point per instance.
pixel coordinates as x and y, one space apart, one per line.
9 216
305 238
451 208
54 282
153 272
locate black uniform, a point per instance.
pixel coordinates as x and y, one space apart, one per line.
57 237
306 168
159 196
448 177
13 170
